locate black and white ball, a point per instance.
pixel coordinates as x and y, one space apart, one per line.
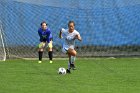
61 70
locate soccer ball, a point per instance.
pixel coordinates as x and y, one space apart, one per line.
61 70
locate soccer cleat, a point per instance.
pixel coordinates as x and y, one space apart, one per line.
68 71
73 66
39 61
51 61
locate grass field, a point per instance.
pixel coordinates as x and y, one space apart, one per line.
98 75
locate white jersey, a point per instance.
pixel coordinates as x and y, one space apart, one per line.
69 41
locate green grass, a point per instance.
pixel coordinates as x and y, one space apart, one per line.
99 75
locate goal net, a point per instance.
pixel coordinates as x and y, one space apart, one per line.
107 27
2 46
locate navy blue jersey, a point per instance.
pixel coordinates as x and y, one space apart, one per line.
51 37
45 35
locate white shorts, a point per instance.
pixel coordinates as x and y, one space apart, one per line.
65 48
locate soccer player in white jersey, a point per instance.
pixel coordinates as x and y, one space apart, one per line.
70 35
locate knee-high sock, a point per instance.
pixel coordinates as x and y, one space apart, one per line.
40 54
68 65
50 54
69 62
73 59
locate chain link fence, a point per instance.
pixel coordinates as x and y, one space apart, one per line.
107 27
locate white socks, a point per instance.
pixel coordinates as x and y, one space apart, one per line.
73 59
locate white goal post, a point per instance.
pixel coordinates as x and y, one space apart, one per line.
2 46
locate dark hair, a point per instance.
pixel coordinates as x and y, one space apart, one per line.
43 23
71 22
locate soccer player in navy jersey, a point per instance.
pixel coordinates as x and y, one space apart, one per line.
45 40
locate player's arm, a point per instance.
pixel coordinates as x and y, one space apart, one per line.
60 34
78 37
39 33
48 36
